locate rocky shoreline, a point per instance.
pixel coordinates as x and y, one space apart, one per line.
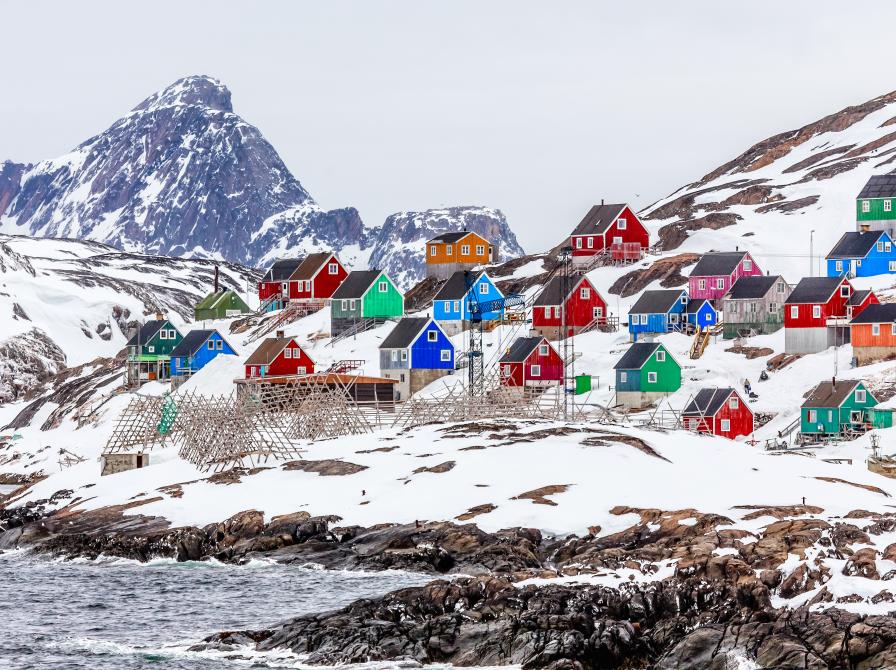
678 589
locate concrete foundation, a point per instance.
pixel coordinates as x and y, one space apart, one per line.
411 381
868 355
638 399
731 331
445 270
814 340
113 463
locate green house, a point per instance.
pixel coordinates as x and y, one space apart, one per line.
149 351
876 204
220 305
841 406
646 373
364 299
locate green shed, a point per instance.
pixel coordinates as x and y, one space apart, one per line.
220 305
645 373
365 297
838 406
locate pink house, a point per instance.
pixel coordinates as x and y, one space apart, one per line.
717 271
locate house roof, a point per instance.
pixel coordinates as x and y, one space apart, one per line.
656 301
813 290
636 356
356 284
708 401
310 266
855 244
146 332
282 270
716 263
885 313
694 306
192 342
455 287
552 293
598 219
521 349
858 297
828 394
879 186
212 299
752 288
451 237
405 332
268 350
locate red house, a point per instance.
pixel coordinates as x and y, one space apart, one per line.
719 412
584 306
612 229
817 313
315 277
531 361
275 282
277 356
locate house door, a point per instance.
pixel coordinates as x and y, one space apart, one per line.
855 416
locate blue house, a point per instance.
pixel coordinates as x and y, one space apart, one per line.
657 312
451 305
700 313
862 254
416 353
196 349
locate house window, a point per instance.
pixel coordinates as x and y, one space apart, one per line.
345 304
748 265
893 329
446 354
617 240
401 377
449 249
556 311
794 311
432 336
651 378
875 329
506 370
301 370
660 356
643 319
880 247
480 250
692 424
578 243
547 312
394 355
891 266
151 349
333 268
590 242
457 306
598 312
432 249
780 287
888 205
483 288
812 416
163 334
404 355
621 224
720 283
866 206
860 395
287 353
733 402
352 303
211 345
535 371
219 345
726 425
542 350
465 250
701 284
384 287
623 377
816 311
839 266
253 372
830 415
844 291
585 293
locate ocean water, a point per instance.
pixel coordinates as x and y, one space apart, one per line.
119 614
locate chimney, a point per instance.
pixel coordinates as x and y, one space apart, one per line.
833 383
866 227
160 316
601 202
216 279
280 333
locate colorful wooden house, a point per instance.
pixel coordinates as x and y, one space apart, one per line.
221 304
646 373
584 306
716 271
451 305
754 306
317 278
365 298
196 350
700 313
657 312
278 356
449 252
609 229
862 254
817 314
840 407
873 334
718 411
874 205
415 353
149 351
273 289
531 361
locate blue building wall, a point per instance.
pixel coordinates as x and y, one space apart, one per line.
181 364
703 317
875 263
632 382
426 355
657 323
443 310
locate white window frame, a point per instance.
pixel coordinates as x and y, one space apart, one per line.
432 249
578 243
287 353
861 395
506 369
284 287
345 304
893 329
891 266
219 345
151 349
210 345
480 250
812 416
794 311
866 206
734 402
352 303
720 283
585 293
701 284
652 377
432 336
888 205
404 355
483 288
547 312
880 247
301 369
465 250
748 265
457 306
875 328
333 268
838 265
590 242
449 249
163 334
726 425
844 291
623 376
644 319
445 355
816 311
660 356
542 350
383 287
535 370
621 223
598 312
394 355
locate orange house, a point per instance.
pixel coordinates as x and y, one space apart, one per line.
450 252
873 334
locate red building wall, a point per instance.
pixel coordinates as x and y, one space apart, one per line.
741 420
834 307
551 365
323 284
269 289
634 232
579 311
870 299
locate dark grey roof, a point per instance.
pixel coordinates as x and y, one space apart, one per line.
598 219
828 394
636 356
656 302
752 288
879 186
694 306
191 343
812 290
521 349
708 401
552 293
450 237
405 332
146 332
455 287
282 270
885 313
356 284
715 263
855 244
858 297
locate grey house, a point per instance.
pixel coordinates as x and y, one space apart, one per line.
754 306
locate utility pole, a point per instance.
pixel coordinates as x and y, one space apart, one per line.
568 344
811 253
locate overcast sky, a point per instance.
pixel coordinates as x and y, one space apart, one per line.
538 108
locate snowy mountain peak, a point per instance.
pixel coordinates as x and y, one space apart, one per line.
200 90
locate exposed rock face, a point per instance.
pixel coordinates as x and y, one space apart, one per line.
25 361
666 270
